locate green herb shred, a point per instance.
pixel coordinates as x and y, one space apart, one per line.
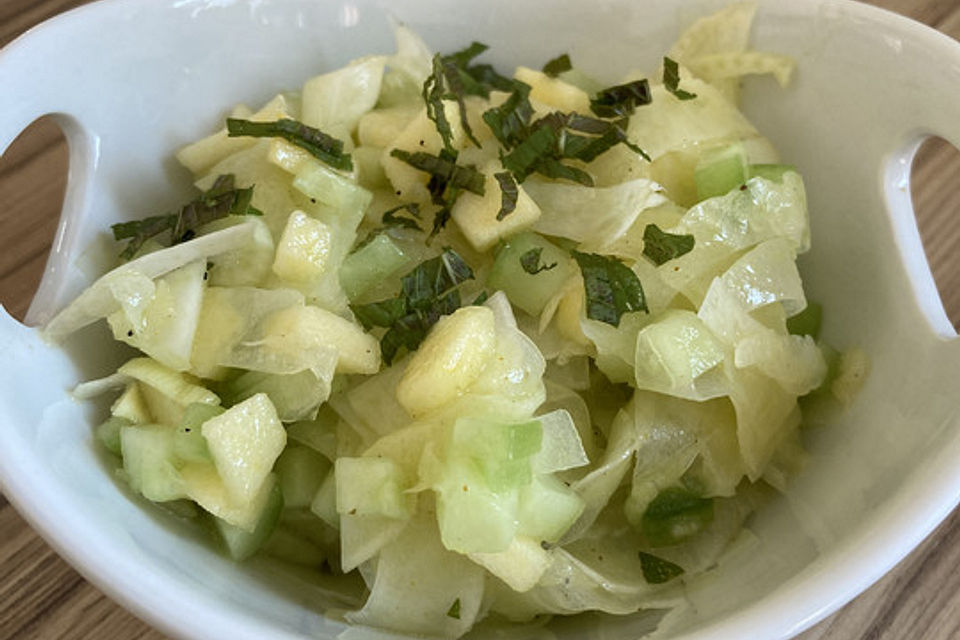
221 200
530 261
656 570
454 611
447 180
394 218
671 80
509 192
662 247
558 65
428 292
611 288
621 100
320 145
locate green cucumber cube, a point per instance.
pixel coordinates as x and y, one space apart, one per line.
530 292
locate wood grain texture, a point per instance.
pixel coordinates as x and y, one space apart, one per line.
41 597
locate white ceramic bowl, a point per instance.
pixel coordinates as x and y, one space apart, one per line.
132 80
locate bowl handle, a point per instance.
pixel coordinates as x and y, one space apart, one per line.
32 88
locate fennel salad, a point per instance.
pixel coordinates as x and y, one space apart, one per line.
493 348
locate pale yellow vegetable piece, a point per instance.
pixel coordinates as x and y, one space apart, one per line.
520 566
304 249
477 215
203 154
453 355
554 91
244 442
204 485
298 329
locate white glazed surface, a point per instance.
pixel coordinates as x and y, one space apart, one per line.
870 85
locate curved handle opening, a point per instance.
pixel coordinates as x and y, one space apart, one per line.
919 181
33 179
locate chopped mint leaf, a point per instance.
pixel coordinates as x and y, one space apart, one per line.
434 92
541 146
454 611
445 169
477 79
221 200
510 121
480 299
611 288
621 100
428 292
509 192
675 515
530 261
558 65
393 217
657 570
447 180
671 80
662 247
324 147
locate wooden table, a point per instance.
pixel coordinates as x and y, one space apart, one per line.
42 597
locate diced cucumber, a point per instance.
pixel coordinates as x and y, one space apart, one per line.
304 249
166 328
244 442
301 472
108 433
370 264
305 524
547 508
451 357
472 517
131 405
530 292
189 444
286 545
240 543
295 396
324 503
316 180
501 452
246 266
720 170
320 434
148 461
372 487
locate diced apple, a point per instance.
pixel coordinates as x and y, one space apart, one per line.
454 353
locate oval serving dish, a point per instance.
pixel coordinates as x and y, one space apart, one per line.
870 86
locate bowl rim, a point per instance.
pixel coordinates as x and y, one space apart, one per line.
830 582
